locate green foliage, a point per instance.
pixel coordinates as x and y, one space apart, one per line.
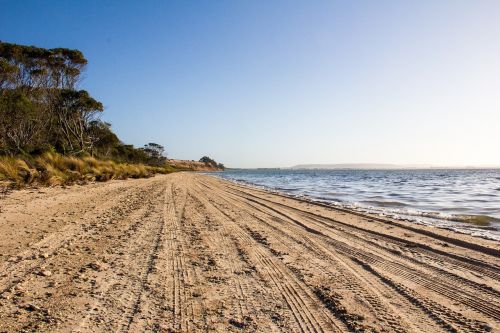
33 67
76 112
20 124
42 113
211 162
41 109
39 105
154 153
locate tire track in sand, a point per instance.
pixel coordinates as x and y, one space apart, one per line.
461 294
303 305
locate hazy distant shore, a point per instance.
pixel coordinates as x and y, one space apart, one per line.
368 166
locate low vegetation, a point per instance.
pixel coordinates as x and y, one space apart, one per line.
51 131
56 169
186 165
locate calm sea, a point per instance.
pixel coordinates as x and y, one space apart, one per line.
462 200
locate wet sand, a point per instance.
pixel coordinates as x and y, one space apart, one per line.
192 253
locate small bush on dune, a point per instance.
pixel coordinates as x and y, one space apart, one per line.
54 160
134 171
9 169
50 168
75 164
91 162
50 174
27 174
16 171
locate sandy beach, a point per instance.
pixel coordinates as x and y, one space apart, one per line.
188 252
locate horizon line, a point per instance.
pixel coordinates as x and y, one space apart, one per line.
368 166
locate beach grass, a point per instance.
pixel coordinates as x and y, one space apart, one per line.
56 169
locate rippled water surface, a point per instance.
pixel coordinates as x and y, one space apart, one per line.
463 200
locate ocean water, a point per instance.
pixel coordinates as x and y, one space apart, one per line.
466 201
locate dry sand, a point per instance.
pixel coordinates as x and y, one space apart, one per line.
191 253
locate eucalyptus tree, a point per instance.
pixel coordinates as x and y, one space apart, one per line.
39 102
75 112
155 153
41 108
31 67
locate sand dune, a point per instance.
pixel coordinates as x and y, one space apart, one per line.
191 253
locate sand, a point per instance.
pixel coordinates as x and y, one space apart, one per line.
191 253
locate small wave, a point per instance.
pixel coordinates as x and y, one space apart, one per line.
487 195
384 203
479 220
398 212
326 199
286 189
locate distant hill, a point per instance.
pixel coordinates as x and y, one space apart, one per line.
358 166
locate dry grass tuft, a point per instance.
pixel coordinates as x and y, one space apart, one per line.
55 169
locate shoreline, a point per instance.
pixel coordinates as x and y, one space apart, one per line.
188 251
465 224
408 224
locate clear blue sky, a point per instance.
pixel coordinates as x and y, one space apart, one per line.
278 83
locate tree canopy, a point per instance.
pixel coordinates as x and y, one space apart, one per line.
211 162
41 108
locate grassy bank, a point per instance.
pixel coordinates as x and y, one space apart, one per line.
186 165
56 169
